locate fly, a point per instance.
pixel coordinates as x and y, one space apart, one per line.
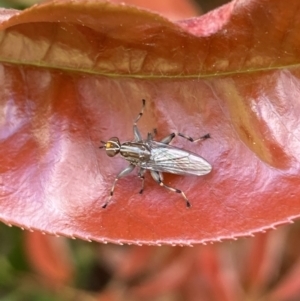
157 157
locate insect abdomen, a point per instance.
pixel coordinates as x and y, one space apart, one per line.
170 159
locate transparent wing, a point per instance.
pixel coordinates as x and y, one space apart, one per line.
167 158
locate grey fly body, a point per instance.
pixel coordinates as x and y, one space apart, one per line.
157 157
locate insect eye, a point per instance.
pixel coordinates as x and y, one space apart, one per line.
111 152
112 147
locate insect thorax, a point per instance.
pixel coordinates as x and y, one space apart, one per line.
135 152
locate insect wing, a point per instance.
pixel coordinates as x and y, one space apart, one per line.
170 159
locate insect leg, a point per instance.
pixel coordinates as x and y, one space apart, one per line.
122 174
170 137
136 132
152 135
158 177
141 176
154 132
194 140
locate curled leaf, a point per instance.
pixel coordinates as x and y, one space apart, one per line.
73 73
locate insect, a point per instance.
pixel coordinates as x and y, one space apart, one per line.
157 157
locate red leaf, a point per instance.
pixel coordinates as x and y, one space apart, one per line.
171 9
50 257
74 73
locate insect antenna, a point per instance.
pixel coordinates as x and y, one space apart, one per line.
104 143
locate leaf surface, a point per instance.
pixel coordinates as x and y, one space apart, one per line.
73 73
